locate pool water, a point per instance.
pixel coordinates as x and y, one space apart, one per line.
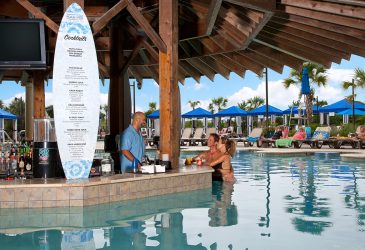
278 202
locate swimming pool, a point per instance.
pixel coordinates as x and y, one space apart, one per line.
278 202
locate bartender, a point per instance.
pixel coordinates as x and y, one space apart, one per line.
132 145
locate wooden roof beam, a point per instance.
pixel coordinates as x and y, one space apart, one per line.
190 70
277 55
326 17
261 5
305 51
214 7
101 22
342 9
134 71
230 64
13 9
104 70
202 67
292 51
338 40
153 72
216 66
39 14
265 61
355 34
246 62
329 45
316 47
151 33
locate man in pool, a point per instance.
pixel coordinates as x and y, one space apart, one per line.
213 153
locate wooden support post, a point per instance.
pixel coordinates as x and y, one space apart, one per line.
38 93
169 89
67 3
29 100
119 91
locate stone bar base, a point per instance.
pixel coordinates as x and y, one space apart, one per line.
37 193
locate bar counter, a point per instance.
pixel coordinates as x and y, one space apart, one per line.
36 193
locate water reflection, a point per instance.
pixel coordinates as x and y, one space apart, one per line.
223 212
308 205
353 200
265 220
136 224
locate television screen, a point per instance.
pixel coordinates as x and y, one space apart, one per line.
22 44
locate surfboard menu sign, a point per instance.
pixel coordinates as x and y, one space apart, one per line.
76 96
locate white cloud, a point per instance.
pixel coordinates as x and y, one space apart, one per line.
279 96
9 100
199 86
103 99
339 75
49 98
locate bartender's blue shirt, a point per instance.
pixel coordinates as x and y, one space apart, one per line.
133 141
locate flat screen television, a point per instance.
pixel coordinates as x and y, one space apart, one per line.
22 44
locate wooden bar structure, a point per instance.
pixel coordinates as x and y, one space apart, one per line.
170 40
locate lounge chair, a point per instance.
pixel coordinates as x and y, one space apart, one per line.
198 137
352 140
319 138
253 137
186 136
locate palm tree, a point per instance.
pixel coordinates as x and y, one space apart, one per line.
219 102
193 104
152 107
251 103
317 75
358 82
243 105
1 104
255 102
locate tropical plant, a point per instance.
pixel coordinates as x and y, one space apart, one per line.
251 103
193 104
358 82
243 105
50 112
2 104
152 107
17 107
255 102
219 103
317 75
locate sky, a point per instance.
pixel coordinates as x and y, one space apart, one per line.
236 89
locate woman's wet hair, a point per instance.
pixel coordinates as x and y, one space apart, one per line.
230 145
215 136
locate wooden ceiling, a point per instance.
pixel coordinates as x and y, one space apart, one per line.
216 36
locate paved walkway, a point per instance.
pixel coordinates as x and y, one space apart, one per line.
346 152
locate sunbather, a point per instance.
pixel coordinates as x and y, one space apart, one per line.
361 134
300 135
222 164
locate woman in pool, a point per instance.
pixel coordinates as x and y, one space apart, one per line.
222 164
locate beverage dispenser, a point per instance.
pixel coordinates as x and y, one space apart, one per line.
46 160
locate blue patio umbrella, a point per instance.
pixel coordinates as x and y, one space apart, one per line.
262 111
198 113
305 82
349 112
231 111
6 115
341 106
154 115
295 110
